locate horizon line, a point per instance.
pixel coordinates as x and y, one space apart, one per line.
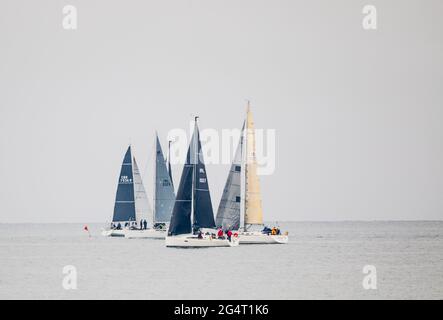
276 221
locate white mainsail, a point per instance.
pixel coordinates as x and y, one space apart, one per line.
142 207
253 202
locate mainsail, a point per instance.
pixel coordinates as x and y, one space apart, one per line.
253 203
142 207
124 208
164 190
228 214
193 193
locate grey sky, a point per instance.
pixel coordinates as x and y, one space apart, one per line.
358 113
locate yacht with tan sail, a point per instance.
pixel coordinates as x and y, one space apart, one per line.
243 178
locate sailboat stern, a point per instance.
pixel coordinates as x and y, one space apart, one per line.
261 238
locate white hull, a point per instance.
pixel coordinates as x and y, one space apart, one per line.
192 241
146 234
114 233
260 238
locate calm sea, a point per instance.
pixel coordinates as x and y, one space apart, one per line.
324 260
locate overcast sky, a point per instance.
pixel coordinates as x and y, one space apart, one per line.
358 114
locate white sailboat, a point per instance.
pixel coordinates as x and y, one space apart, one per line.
232 203
131 203
164 199
193 198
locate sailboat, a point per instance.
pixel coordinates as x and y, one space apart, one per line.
243 176
164 199
131 202
192 220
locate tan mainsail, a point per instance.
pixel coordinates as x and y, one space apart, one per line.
253 203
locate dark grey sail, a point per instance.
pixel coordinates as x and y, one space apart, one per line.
164 190
228 214
181 214
124 208
203 212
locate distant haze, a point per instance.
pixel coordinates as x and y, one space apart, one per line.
358 114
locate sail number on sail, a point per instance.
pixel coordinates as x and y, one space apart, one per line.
125 180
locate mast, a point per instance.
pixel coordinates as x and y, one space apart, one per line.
154 194
248 107
243 178
194 176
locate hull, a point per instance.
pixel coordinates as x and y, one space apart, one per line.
260 238
146 234
114 233
191 241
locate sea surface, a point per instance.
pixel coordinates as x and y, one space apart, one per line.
324 260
